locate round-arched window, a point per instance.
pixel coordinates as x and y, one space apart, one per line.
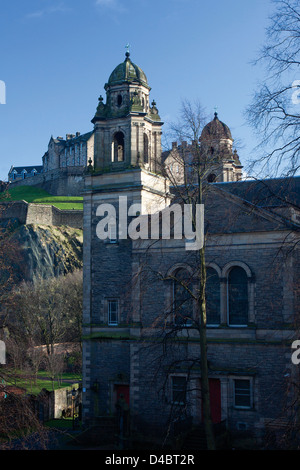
118 147
183 305
119 100
212 294
237 296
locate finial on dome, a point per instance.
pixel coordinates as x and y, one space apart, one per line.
127 54
216 114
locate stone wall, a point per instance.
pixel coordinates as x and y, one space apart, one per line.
62 400
59 182
51 404
41 214
14 210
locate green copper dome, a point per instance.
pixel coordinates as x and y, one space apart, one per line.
127 72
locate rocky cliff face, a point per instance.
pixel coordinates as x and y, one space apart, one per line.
47 251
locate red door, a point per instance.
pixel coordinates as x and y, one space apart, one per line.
122 390
215 400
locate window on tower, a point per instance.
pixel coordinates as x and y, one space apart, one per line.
119 100
146 149
118 147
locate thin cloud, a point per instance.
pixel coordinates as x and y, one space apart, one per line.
35 14
61 8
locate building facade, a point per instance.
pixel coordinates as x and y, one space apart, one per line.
140 333
20 173
63 166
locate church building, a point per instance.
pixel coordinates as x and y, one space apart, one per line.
140 341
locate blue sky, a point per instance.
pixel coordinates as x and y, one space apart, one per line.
56 56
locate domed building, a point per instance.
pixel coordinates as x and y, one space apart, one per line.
126 134
216 146
216 130
142 373
218 162
127 127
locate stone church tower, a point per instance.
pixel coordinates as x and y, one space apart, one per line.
127 126
218 161
216 147
127 132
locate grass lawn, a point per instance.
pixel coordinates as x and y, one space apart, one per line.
40 196
32 386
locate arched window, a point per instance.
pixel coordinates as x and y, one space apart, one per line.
146 149
118 147
237 297
119 100
182 302
212 297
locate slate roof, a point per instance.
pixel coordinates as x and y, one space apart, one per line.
19 169
76 139
226 212
246 206
275 192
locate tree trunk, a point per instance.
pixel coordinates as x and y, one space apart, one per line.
208 425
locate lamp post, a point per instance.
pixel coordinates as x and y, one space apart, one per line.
73 405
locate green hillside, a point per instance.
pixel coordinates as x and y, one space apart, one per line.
40 196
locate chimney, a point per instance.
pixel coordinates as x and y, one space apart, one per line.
77 134
174 145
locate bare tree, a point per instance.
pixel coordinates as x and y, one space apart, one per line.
20 427
274 110
47 311
54 365
187 167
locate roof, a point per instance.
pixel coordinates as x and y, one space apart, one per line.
76 139
28 169
247 206
216 129
273 192
127 72
80 138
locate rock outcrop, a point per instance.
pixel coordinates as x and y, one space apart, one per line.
47 251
